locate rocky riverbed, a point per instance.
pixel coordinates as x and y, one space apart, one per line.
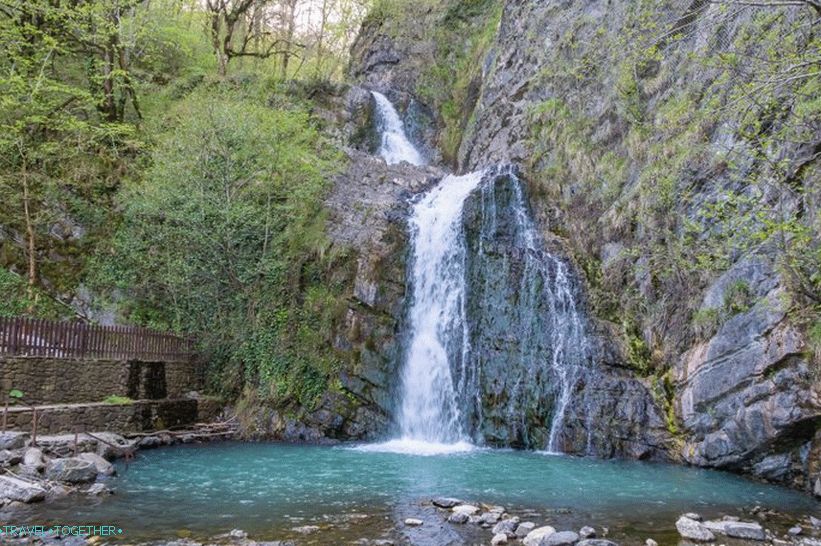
53 466
442 521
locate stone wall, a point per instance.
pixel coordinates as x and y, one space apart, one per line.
58 381
145 415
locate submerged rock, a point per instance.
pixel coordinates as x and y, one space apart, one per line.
694 530
413 522
736 529
596 542
499 538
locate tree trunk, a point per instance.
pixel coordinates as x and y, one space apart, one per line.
31 241
289 36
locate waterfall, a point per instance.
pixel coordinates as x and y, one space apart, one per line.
492 328
395 146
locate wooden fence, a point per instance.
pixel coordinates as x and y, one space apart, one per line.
76 340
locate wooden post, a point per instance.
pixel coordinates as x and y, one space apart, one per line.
75 442
6 416
34 426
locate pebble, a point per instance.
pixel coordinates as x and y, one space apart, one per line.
795 531
413 522
305 529
650 542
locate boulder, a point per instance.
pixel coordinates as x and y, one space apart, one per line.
71 470
561 538
15 489
524 528
33 457
795 531
103 467
535 537
693 530
596 542
10 458
500 538
445 502
736 529
113 446
650 542
13 440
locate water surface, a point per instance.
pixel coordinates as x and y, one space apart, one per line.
266 489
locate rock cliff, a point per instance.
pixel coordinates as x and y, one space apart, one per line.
631 124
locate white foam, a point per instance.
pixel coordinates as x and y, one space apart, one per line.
409 446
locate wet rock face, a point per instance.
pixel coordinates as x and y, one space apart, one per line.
526 314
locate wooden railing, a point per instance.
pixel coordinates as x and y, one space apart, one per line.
76 340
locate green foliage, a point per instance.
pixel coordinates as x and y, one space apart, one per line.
15 394
222 238
15 300
451 84
118 400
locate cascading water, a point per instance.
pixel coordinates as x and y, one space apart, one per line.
493 329
395 146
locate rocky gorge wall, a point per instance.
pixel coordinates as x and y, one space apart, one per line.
621 117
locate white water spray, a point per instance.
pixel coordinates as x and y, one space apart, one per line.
395 146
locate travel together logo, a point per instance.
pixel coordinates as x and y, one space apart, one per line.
51 531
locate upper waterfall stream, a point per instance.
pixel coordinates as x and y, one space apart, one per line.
453 312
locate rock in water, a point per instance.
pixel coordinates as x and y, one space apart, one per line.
500 538
650 542
736 529
306 529
15 489
562 538
71 470
468 509
795 531
694 530
596 542
534 537
413 522
446 502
